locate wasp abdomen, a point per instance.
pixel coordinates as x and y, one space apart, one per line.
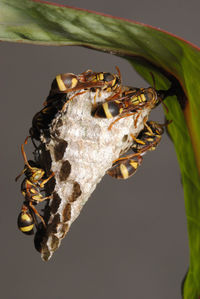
125 169
25 223
107 110
63 82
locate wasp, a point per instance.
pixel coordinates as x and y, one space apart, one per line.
96 81
148 139
125 168
109 82
42 120
27 217
70 82
31 189
131 102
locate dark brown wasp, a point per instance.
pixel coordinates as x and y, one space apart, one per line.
31 189
147 140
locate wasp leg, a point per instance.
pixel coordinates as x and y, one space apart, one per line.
36 198
115 96
136 119
125 115
24 157
36 213
46 180
149 128
149 137
97 92
19 175
123 169
137 140
70 99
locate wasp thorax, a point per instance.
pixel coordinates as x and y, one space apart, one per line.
37 174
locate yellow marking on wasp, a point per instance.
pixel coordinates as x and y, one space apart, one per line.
137 140
124 171
37 176
150 139
37 197
101 76
142 98
25 217
148 134
60 83
27 228
152 148
135 100
140 141
134 164
74 82
106 110
114 81
45 110
33 191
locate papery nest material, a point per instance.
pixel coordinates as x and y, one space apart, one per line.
82 149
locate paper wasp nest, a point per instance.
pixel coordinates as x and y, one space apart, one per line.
82 149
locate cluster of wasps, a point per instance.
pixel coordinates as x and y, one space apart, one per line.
124 102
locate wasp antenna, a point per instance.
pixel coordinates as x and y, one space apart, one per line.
25 159
24 154
162 94
168 122
26 140
119 73
16 179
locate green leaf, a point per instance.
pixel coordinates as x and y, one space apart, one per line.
169 58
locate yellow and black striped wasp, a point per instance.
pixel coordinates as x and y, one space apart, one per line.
132 101
70 82
149 137
31 189
95 81
124 169
147 140
108 81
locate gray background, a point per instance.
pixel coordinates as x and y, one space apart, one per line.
130 240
